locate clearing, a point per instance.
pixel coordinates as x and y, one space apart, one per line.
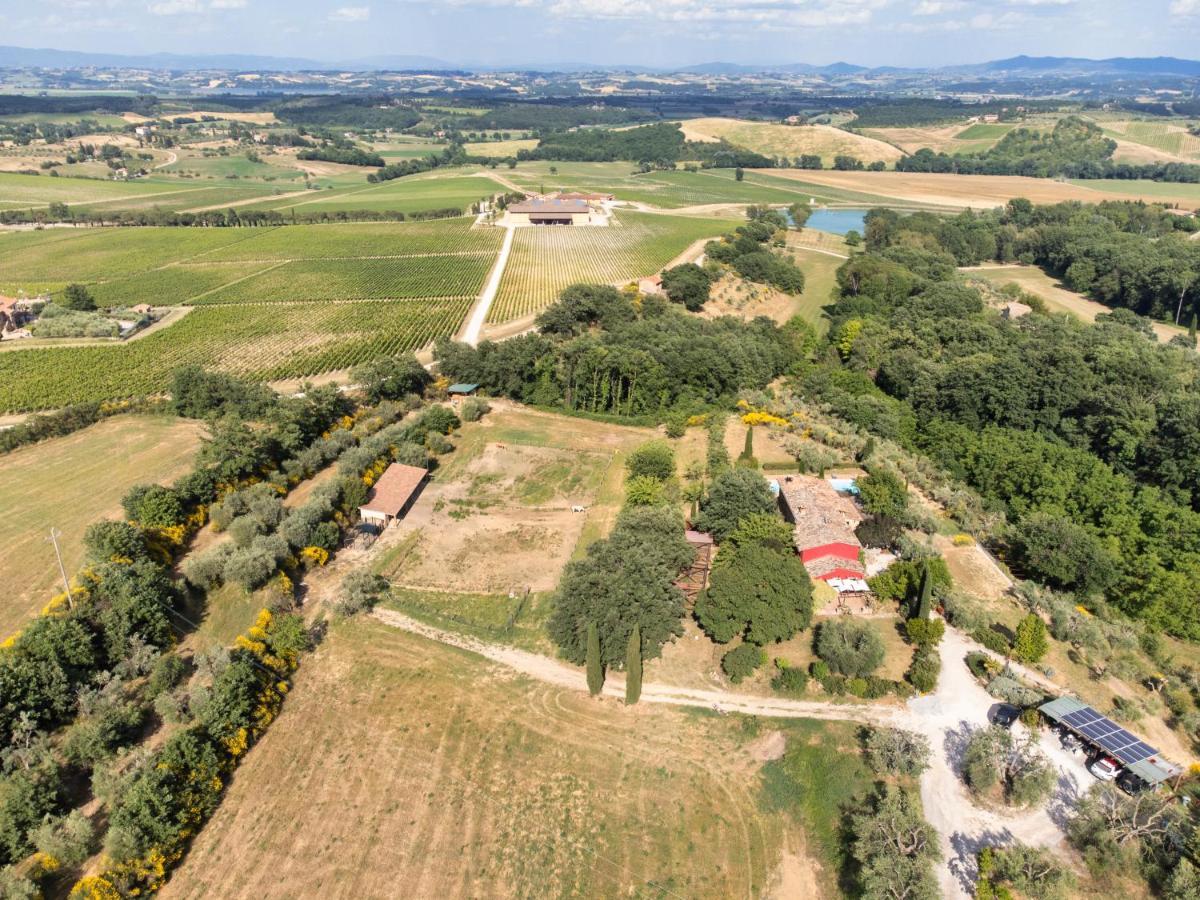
957 138
470 780
1057 297
48 484
496 520
791 141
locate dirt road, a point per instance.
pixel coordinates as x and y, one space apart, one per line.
478 315
946 717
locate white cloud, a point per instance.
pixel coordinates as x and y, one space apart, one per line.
1185 8
192 7
936 7
350 14
765 15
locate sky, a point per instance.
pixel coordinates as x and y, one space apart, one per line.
642 32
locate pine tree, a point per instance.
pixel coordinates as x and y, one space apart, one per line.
595 671
633 666
926 603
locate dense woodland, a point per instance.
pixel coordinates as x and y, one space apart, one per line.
1085 437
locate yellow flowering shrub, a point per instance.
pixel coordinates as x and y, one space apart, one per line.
1083 611
694 421
316 556
759 417
95 887
962 540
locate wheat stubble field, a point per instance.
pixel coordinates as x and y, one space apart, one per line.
405 768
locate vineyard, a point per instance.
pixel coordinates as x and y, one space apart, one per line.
271 303
545 260
1167 137
262 341
453 275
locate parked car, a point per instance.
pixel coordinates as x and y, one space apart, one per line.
1105 768
1004 714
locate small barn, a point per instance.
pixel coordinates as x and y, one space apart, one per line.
459 392
393 494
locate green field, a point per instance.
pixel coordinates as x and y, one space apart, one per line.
668 190
234 166
95 195
407 195
984 131
545 260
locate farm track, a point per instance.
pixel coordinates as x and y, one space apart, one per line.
957 707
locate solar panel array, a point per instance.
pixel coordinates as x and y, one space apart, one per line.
1108 734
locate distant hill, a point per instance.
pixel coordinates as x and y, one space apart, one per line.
23 57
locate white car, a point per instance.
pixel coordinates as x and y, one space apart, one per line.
1105 768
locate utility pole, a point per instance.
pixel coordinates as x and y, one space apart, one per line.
55 534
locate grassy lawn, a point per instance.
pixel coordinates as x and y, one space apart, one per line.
472 782
68 483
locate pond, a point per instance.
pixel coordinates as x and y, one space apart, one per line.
837 221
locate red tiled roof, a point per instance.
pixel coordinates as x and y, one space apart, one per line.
394 489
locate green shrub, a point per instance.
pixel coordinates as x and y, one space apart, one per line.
742 661
993 640
850 647
790 680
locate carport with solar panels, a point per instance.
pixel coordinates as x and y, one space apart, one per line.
1101 733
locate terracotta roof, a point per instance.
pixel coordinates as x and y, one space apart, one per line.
394 489
833 567
543 207
820 514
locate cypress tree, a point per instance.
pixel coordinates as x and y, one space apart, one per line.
748 450
1192 329
868 449
695 511
633 666
595 671
926 604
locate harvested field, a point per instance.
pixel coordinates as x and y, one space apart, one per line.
988 191
68 483
410 763
791 141
734 296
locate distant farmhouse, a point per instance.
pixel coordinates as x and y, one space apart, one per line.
570 208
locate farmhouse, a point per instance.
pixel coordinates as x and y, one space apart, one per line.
549 212
823 523
651 284
393 494
459 392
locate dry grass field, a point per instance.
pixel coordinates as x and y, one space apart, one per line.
791 140
68 483
405 768
497 516
1057 297
988 191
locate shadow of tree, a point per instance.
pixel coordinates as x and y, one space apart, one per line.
964 862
